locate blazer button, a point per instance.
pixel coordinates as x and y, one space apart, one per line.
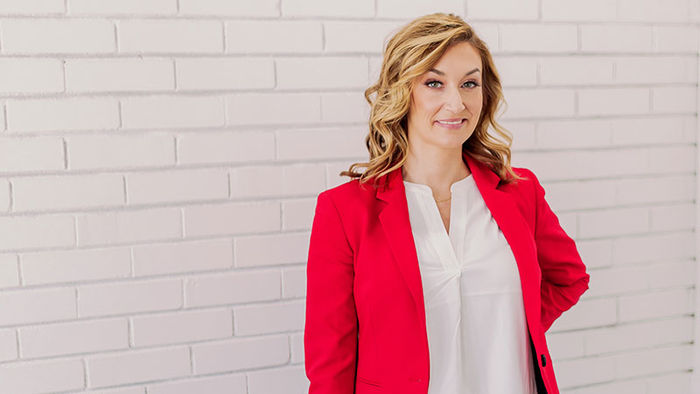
544 360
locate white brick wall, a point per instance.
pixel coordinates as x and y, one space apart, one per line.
160 159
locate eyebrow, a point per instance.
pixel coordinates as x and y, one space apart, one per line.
436 71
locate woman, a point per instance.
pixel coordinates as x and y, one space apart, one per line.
440 267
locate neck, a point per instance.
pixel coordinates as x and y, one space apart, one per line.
438 169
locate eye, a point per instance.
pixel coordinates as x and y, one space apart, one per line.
474 82
429 83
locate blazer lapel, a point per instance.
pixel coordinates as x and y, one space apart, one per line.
516 231
397 228
396 224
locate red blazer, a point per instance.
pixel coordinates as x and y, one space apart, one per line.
365 329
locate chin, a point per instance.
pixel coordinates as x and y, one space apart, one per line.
451 143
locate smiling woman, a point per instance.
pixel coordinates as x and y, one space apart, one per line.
440 267
446 103
451 58
436 70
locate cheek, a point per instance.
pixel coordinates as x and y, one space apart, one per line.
428 104
475 101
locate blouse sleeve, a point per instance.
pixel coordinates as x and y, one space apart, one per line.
330 332
564 277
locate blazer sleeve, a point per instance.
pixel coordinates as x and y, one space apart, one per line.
564 277
331 326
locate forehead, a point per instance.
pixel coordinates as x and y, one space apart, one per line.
458 59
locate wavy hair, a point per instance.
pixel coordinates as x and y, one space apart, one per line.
411 52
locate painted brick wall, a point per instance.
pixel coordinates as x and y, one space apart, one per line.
160 160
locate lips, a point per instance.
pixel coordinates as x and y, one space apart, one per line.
451 123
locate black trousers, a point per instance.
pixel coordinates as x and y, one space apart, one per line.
538 376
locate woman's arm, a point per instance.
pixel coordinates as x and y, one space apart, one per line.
564 277
330 333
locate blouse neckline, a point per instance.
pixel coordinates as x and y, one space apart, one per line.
426 189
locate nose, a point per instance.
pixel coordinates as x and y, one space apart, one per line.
453 101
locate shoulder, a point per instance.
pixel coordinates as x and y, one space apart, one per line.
532 182
526 185
525 173
525 191
354 203
348 191
350 198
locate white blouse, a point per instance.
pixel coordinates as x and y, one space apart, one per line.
477 332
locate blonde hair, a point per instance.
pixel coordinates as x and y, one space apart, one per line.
411 52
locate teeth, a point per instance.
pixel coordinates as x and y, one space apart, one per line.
457 122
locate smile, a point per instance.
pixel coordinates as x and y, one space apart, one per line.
451 125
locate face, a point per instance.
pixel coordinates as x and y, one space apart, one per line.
450 92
